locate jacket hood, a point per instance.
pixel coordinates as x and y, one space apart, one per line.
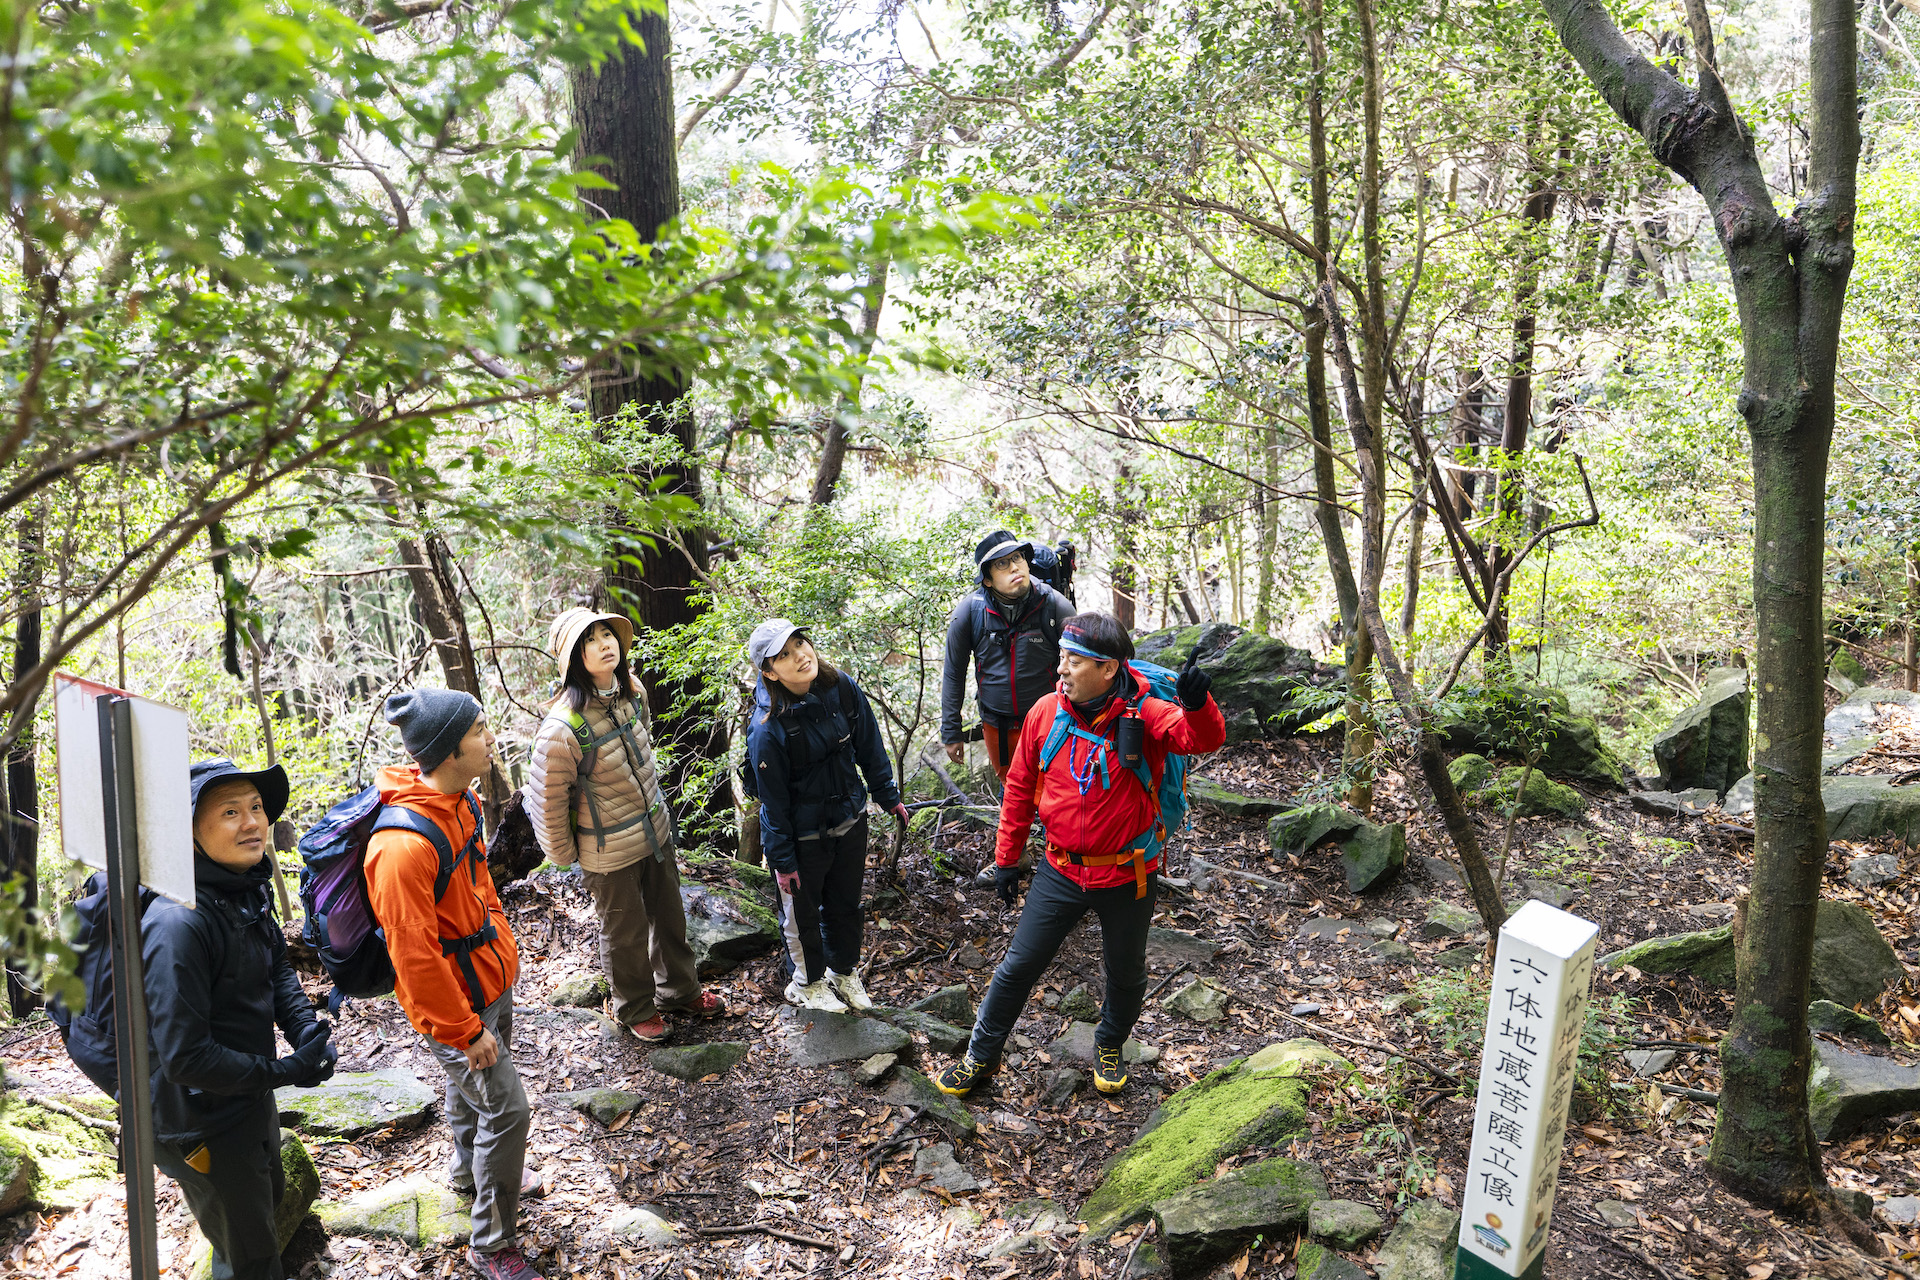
401 783
214 878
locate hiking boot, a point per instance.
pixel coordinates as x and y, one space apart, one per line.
1109 1073
652 1031
850 989
964 1076
506 1264
704 1005
815 995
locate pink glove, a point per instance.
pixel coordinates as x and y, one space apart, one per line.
899 812
789 882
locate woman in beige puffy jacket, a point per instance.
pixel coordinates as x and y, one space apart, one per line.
594 797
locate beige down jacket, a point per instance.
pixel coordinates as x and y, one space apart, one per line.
616 814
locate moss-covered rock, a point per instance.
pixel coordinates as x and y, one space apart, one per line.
1470 772
1848 667
56 1162
1825 1015
726 927
1263 686
1344 1224
942 1036
1370 852
1846 1091
1706 954
419 1211
581 991
1208 1222
1852 963
602 1105
1543 797
911 1089
1870 807
1422 1244
1512 720
1251 1102
949 1004
1316 1262
1205 793
357 1102
692 1062
1706 745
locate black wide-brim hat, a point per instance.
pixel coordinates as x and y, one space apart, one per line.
270 782
997 546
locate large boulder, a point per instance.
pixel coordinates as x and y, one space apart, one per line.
1254 1101
1847 1091
1370 852
1870 807
1208 1223
357 1102
1512 720
1861 708
1264 687
726 927
50 1161
1851 961
1706 746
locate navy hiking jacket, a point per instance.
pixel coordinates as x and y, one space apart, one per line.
806 765
1015 656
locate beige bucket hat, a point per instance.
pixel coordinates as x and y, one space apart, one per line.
567 629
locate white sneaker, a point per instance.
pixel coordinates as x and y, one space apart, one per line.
850 989
815 995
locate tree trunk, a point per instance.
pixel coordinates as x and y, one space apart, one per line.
20 800
1267 509
1416 549
1913 618
833 452
623 113
1124 572
1789 276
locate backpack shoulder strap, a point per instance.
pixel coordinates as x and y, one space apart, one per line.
977 607
397 817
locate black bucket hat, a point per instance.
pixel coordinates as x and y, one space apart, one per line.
998 545
271 783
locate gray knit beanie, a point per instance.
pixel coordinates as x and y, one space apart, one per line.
432 722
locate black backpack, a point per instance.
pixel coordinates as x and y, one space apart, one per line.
89 1034
1055 565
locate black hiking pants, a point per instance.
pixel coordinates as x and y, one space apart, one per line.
237 1195
1054 905
823 925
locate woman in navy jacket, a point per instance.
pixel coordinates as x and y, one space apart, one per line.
811 740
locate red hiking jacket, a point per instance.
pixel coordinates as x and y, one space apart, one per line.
1104 820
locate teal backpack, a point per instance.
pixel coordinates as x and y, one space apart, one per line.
1170 803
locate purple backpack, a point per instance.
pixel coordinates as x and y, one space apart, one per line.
333 888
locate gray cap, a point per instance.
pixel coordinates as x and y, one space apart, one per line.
432 722
769 638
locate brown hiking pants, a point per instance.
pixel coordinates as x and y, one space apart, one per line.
643 938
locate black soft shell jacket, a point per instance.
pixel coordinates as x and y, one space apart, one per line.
1014 662
218 982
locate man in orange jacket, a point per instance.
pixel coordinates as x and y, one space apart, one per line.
454 959
1098 818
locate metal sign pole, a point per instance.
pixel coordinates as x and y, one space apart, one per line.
129 983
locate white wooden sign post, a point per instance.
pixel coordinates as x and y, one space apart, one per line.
124 807
1542 972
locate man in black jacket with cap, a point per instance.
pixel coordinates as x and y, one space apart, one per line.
1009 628
218 982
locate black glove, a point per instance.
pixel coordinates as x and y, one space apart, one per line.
1194 684
1006 883
311 1061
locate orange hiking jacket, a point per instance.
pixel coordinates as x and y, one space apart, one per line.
401 867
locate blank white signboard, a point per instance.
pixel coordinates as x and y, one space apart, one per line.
162 810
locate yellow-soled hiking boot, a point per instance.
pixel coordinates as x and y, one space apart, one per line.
964 1076
1109 1073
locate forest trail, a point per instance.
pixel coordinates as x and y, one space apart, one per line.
771 1145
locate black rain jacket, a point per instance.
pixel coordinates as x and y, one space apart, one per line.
218 982
1015 657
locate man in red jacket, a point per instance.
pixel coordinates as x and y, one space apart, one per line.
1099 820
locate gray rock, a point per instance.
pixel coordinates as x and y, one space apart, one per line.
1076 1045
1871 870
601 1105
1331 929
1078 1005
1402 1002
1369 852
1848 1091
649 1228
1464 957
357 1102
571 1021
1148 1260
911 1089
873 1069
937 1165
1207 1223
969 957
1038 1214
1738 802
1440 871
1317 1262
1617 1214
1391 951
1861 708
1859 1203
1059 1085
1825 1015
1901 1211
1305 1010
942 1037
1574 748
1170 946
1852 963
1205 793
1697 801
1543 797
1871 808
1014 1245
726 928
1554 895
421 1212
1344 1224
692 1062
1706 745
815 1039
1257 681
949 1004
1200 1000
18 1172
1655 804
1444 920
1648 1063
1422 1244
581 991
1841 754
1373 855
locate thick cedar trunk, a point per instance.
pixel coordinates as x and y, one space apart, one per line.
623 113
833 451
1789 277
20 800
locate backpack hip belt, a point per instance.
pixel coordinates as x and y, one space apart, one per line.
1135 853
